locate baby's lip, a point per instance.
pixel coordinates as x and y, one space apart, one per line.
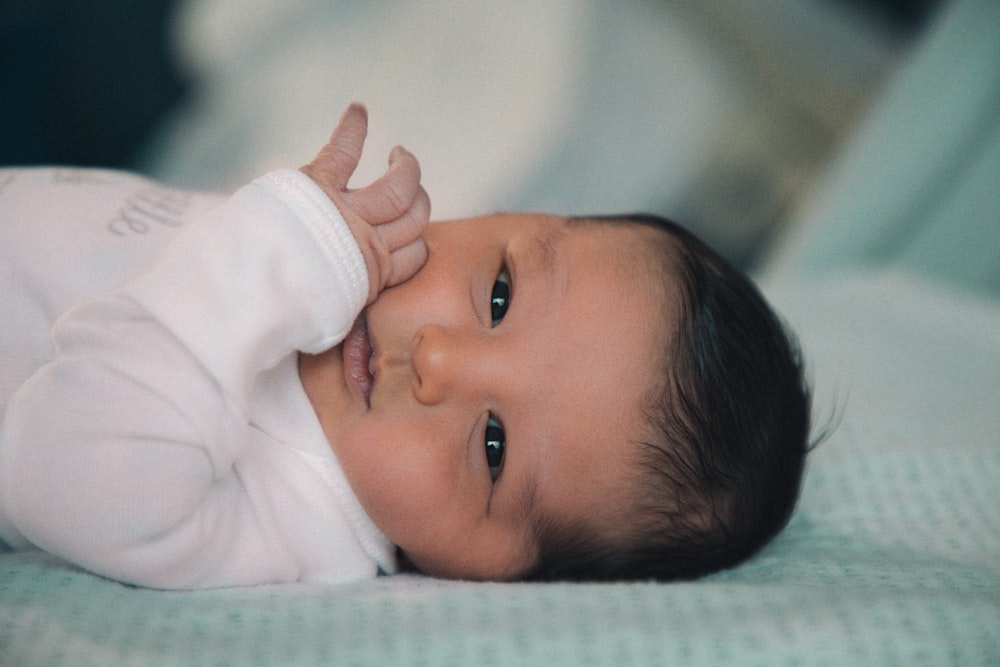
359 361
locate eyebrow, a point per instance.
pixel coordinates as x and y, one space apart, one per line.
549 248
544 253
522 510
527 505
525 492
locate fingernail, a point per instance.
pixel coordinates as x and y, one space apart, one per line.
356 107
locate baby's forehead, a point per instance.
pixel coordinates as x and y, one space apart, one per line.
642 245
601 367
596 497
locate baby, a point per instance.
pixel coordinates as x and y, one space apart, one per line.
312 384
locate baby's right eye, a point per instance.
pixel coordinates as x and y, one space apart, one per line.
496 446
500 297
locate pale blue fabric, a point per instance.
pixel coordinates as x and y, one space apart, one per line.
918 185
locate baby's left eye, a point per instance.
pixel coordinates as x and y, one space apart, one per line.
496 446
500 297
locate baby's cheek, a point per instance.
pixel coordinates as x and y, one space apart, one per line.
391 476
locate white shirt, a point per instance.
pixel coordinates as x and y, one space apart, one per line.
167 440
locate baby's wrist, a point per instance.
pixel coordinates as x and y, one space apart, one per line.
327 226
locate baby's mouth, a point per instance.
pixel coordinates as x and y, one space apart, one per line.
359 360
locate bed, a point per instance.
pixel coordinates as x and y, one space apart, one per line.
890 274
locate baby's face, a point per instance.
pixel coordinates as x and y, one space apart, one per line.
502 385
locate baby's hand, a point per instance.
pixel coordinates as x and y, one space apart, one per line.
388 216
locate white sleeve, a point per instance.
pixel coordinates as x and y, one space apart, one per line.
118 455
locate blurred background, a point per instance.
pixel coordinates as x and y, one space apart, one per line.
718 113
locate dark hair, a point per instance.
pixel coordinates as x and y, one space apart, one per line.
731 416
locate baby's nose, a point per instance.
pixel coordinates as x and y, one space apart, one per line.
436 358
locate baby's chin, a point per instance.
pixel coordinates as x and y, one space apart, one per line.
445 569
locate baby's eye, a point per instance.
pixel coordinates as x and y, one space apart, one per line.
500 297
496 445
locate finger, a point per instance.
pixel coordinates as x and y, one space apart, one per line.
406 261
408 227
389 196
338 159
